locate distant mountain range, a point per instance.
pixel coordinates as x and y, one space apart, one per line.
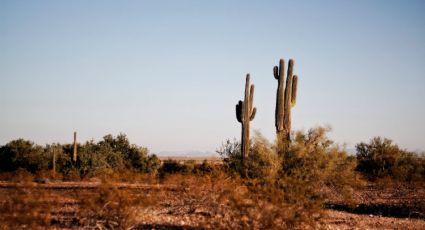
190 153
195 153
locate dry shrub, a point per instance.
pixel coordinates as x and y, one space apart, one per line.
313 161
24 207
230 152
290 175
127 176
205 168
263 162
229 202
111 207
255 206
72 175
19 176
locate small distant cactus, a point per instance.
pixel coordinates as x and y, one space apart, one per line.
245 113
74 156
285 98
54 163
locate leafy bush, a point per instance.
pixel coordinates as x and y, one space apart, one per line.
112 154
204 168
22 154
262 162
295 172
312 161
172 166
381 158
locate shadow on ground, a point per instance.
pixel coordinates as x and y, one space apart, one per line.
165 226
398 211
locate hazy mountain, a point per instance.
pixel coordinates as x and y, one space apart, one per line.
189 153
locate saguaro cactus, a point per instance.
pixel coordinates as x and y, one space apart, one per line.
245 113
74 156
285 98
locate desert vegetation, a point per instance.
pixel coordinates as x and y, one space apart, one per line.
277 189
290 183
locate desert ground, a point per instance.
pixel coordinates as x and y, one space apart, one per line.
177 204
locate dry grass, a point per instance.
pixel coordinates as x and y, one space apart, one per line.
191 201
110 207
211 201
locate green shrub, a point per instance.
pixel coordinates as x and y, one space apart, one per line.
204 168
382 158
312 161
172 166
263 162
153 163
22 154
111 154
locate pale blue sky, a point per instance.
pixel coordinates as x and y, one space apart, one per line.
169 73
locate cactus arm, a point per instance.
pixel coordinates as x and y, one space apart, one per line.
288 87
294 90
276 72
282 68
254 111
251 98
246 104
239 107
290 67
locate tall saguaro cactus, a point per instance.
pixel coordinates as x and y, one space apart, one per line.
74 156
245 113
285 98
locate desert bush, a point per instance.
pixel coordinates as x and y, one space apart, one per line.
110 207
72 175
63 160
110 154
24 154
204 168
223 201
382 158
263 162
92 159
311 162
21 176
153 163
23 208
230 153
294 173
172 166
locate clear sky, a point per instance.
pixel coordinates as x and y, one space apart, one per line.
169 73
